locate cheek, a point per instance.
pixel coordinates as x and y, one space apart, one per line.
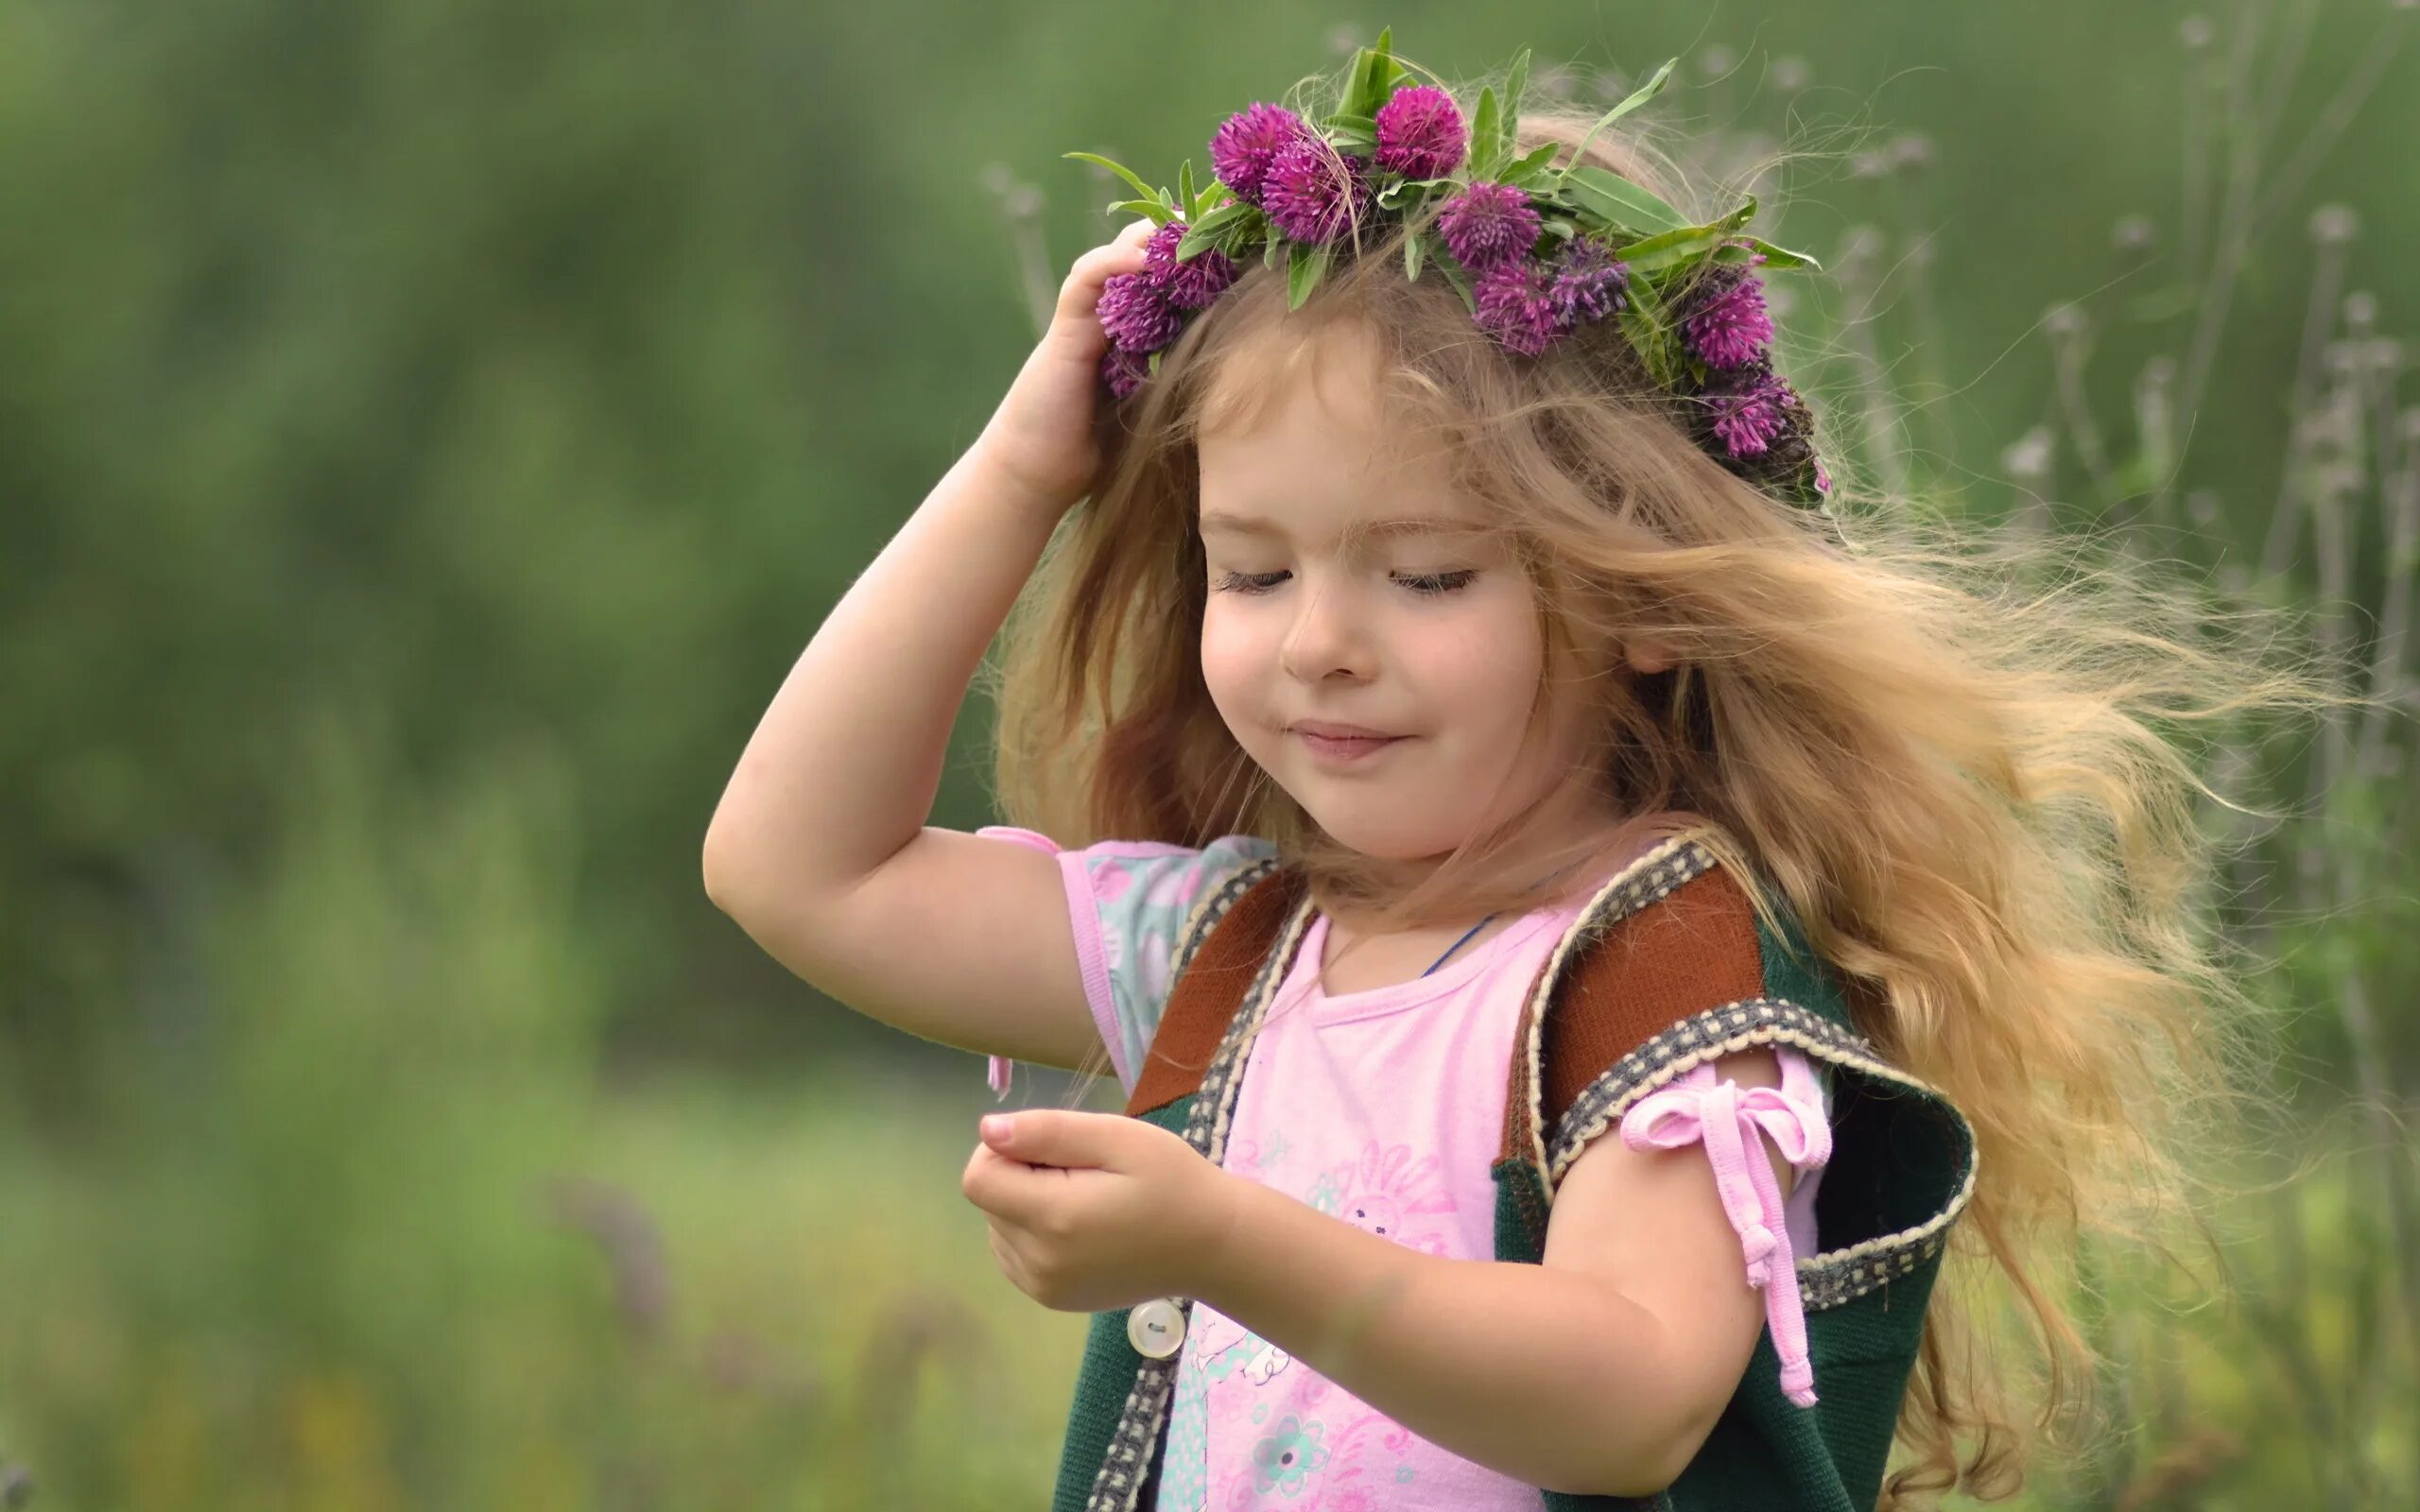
1231 664
1487 669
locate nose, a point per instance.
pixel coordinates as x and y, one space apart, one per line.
1327 635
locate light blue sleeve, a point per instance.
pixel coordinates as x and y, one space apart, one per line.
1128 902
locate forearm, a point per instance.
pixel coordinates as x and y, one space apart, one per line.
844 764
1544 1375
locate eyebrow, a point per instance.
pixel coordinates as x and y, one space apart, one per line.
1227 522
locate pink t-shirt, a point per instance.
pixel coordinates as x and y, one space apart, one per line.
1322 1116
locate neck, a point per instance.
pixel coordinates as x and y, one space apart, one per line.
1535 858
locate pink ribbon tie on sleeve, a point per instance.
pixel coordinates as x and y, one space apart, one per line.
1723 1115
996 1074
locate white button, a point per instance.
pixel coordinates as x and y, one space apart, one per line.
1155 1327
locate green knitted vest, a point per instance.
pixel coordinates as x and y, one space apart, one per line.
1668 966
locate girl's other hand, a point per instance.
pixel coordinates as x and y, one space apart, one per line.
1093 1212
1042 440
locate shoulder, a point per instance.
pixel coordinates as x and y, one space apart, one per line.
1681 937
1682 932
1672 964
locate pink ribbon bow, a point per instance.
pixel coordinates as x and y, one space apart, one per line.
1723 1114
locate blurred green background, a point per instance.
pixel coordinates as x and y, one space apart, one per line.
429 430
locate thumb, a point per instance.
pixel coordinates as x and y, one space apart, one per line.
1042 1136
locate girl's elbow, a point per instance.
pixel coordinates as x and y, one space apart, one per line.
1646 1464
1638 1477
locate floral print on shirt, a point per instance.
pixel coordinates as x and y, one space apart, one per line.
1344 1456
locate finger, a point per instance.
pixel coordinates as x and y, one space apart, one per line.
985 1171
1008 1191
1047 1136
1011 1261
1095 269
1125 250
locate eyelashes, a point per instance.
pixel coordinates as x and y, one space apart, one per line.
1425 585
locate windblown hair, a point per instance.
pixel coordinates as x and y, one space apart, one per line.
1961 757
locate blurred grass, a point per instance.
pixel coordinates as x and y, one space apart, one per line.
786 1369
383 1242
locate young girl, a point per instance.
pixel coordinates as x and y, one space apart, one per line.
1456 726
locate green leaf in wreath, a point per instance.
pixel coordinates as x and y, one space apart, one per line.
1483 140
1688 242
1528 169
1637 98
1648 342
1119 170
1374 77
1276 250
1646 321
1668 247
1408 191
1447 265
1206 202
1309 264
1412 252
1692 243
1219 229
1645 297
1507 130
1160 214
1617 201
1775 257
1185 189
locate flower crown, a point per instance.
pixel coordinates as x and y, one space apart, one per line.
1534 250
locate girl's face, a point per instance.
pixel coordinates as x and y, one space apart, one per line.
1414 630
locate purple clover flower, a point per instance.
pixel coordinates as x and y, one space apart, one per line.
1313 192
1726 324
1190 284
1124 371
1515 305
1420 134
1488 223
1748 409
1134 314
1588 281
1243 149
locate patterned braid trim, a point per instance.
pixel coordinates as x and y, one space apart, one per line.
1652 876
1207 913
1831 1276
1117 1486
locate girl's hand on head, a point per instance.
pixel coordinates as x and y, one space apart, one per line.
1041 442
1093 1212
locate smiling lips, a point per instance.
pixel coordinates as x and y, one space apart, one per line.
1336 732
1342 743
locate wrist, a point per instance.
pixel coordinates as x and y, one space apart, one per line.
1224 1216
995 478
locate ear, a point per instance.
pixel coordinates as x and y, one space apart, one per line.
1649 656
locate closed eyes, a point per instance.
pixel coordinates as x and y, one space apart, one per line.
1426 585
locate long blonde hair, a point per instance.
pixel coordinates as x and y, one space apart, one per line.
1962 757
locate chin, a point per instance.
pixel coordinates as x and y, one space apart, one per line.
1376 830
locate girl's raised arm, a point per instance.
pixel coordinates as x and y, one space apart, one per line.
818 848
